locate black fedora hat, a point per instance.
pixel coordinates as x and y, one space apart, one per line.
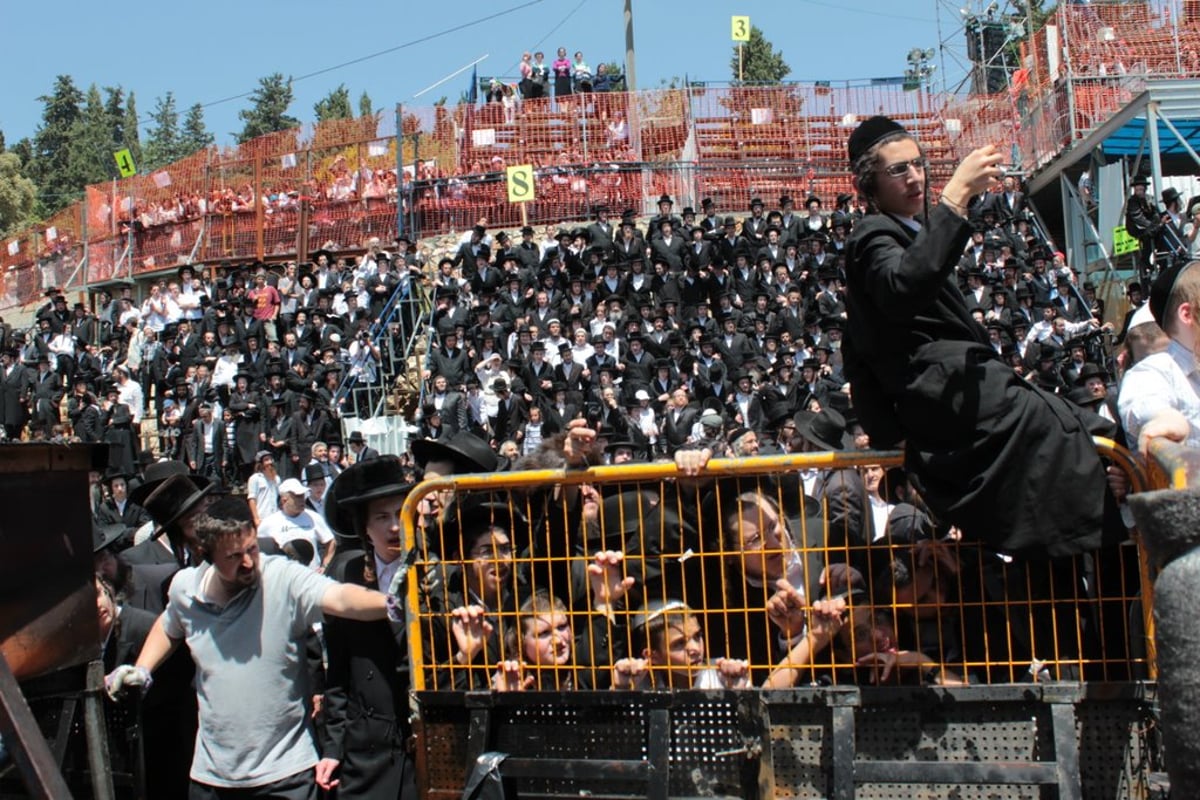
173 498
468 452
358 484
105 535
826 429
155 474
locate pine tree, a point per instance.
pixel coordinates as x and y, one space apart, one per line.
130 137
195 135
91 145
335 105
114 109
18 195
2 146
365 107
49 156
163 141
269 111
760 62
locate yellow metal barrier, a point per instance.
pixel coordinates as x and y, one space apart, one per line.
911 608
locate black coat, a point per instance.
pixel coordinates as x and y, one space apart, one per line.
366 701
993 454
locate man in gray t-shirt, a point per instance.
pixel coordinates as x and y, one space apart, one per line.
244 618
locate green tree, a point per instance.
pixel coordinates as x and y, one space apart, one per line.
23 150
365 107
760 62
18 195
269 110
163 141
129 133
195 135
114 109
49 157
2 146
335 105
90 148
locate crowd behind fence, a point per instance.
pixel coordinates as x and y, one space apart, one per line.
639 578
434 170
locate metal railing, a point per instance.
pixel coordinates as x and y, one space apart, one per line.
1094 624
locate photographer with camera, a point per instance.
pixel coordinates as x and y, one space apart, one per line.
365 358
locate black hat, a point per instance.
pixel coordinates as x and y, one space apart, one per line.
870 133
356 437
826 429
313 472
1140 180
1091 370
154 475
105 535
666 198
1082 396
1170 195
756 201
468 452
360 483
172 498
316 254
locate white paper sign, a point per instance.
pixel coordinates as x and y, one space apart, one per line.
162 179
483 137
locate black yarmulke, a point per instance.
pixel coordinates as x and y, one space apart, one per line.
869 133
1160 290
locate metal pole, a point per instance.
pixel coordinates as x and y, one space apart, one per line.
258 210
400 171
630 68
1155 154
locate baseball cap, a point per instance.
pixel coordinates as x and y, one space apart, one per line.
293 486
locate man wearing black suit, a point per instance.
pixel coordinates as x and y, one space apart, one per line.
511 412
450 404
600 232
1008 203
668 246
754 227
471 249
678 420
359 447
48 391
449 361
699 250
16 387
569 373
365 738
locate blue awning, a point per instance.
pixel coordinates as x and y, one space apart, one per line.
1127 140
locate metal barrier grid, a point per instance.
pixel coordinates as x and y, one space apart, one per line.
1087 622
1091 739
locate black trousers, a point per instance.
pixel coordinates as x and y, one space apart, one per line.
301 786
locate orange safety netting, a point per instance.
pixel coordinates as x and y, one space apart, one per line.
336 184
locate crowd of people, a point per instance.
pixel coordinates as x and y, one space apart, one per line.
685 338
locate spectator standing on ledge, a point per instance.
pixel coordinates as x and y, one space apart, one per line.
562 74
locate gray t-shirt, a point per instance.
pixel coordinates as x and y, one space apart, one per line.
251 680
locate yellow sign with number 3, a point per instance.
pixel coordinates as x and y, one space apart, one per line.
741 29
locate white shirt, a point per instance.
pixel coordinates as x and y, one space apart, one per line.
880 511
1160 381
130 393
306 525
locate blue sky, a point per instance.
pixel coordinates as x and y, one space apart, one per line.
218 49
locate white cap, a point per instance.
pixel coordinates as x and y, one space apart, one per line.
641 394
293 486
